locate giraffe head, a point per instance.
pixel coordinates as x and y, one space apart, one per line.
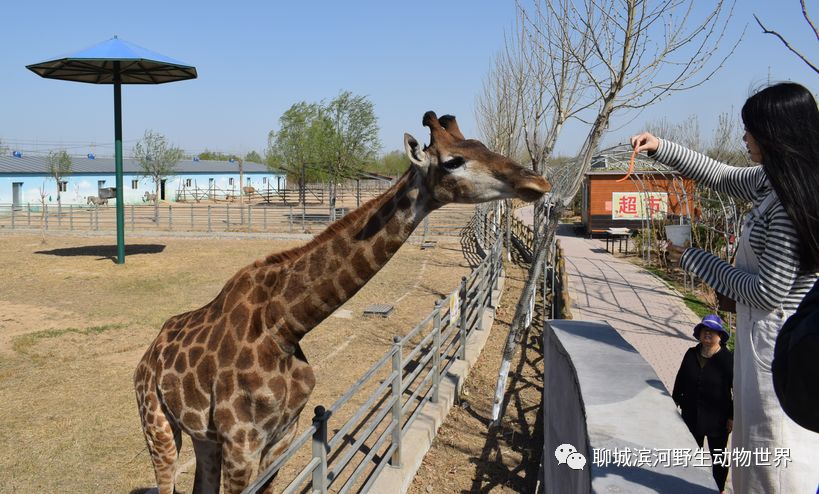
464 170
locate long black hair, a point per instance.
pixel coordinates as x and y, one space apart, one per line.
784 121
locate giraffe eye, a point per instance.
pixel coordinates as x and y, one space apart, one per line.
453 163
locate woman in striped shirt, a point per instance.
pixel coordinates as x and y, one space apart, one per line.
777 263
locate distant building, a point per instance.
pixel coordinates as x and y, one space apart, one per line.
22 177
607 201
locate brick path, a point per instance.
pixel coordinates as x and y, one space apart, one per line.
642 308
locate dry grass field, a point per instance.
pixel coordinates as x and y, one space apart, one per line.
73 324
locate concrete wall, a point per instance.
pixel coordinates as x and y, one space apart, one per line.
602 395
564 419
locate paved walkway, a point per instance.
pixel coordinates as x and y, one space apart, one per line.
642 308
649 314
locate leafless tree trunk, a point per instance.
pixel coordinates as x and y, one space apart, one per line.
535 85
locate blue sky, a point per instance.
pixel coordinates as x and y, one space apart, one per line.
255 59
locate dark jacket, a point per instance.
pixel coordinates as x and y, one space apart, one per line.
704 394
796 363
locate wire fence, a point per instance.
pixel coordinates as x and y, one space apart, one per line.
385 402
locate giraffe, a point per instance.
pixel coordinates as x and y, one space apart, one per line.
232 374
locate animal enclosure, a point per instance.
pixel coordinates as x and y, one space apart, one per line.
73 327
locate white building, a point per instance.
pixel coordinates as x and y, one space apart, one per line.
22 178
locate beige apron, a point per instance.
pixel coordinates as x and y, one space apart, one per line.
759 422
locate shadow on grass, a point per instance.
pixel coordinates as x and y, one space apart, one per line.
104 251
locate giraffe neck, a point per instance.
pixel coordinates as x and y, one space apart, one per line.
325 273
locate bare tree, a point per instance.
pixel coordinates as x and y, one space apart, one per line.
552 86
496 108
785 41
641 52
686 132
535 85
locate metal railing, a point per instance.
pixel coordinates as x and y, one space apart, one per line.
385 402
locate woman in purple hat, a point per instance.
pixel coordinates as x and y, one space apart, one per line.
777 263
702 390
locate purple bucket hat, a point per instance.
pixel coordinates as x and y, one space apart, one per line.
714 323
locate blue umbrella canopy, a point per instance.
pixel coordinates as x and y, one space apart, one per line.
98 65
116 62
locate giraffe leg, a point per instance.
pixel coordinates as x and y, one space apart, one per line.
161 435
239 466
208 467
273 451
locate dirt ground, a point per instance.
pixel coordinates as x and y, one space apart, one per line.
469 456
73 324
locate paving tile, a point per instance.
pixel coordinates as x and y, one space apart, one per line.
642 308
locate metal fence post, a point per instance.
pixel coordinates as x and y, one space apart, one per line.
133 219
170 217
249 218
462 323
13 215
436 349
264 219
28 206
45 216
320 450
397 368
191 216
497 264
97 218
480 298
209 218
227 221
59 214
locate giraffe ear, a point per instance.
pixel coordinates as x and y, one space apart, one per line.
416 154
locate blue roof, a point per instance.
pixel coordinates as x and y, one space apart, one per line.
29 164
95 65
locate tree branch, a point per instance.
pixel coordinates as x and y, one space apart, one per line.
785 42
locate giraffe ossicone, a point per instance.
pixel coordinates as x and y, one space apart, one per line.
232 374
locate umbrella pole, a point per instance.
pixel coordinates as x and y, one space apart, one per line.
118 161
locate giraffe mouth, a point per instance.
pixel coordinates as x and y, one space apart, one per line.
533 189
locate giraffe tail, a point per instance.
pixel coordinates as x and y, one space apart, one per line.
162 435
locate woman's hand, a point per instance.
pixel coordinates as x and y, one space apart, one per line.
645 142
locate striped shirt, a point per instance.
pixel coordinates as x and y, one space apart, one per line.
779 283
